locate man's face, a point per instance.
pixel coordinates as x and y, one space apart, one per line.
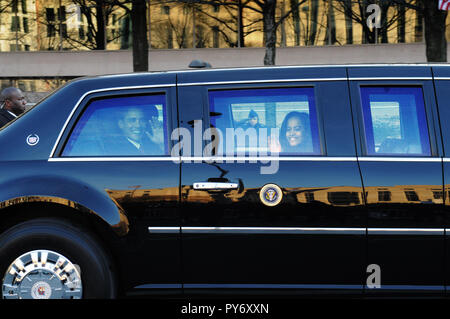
133 124
16 102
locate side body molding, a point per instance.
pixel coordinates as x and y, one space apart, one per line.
69 192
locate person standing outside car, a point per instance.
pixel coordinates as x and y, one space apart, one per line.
13 104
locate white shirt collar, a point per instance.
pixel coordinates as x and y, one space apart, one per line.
11 113
136 144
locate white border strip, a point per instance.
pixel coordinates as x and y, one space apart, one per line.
101 90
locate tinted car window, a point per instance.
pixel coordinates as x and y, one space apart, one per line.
263 120
395 121
121 126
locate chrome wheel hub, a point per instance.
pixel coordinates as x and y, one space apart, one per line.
42 274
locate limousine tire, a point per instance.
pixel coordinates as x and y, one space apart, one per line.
52 259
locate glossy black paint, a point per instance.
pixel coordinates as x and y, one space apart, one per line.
442 85
210 259
415 196
129 196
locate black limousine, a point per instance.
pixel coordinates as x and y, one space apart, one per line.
309 179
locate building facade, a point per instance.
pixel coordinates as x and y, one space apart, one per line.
104 25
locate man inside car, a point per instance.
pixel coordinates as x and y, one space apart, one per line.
13 104
133 138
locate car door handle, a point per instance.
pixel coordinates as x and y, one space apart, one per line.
215 185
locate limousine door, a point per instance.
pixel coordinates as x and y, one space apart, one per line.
295 222
399 154
442 85
142 181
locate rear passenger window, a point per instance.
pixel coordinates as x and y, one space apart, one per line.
259 121
395 122
121 126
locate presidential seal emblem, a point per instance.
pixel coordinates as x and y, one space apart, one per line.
32 139
41 290
271 195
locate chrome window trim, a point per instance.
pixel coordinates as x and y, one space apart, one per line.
406 231
349 66
137 87
307 80
113 159
399 159
262 81
247 159
52 153
394 78
200 159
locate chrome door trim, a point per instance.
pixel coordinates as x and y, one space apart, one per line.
299 230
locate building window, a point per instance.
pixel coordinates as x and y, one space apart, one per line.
50 14
25 25
81 34
15 23
411 196
215 30
24 6
384 196
165 10
15 6
309 197
438 194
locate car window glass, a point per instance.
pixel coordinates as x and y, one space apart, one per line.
121 126
258 121
395 121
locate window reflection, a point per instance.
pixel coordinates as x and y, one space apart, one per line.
121 126
395 121
260 121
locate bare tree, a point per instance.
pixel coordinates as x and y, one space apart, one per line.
267 11
435 38
90 34
137 9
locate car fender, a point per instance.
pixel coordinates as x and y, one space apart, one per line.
65 191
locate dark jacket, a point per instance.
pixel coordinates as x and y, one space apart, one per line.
5 117
121 146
